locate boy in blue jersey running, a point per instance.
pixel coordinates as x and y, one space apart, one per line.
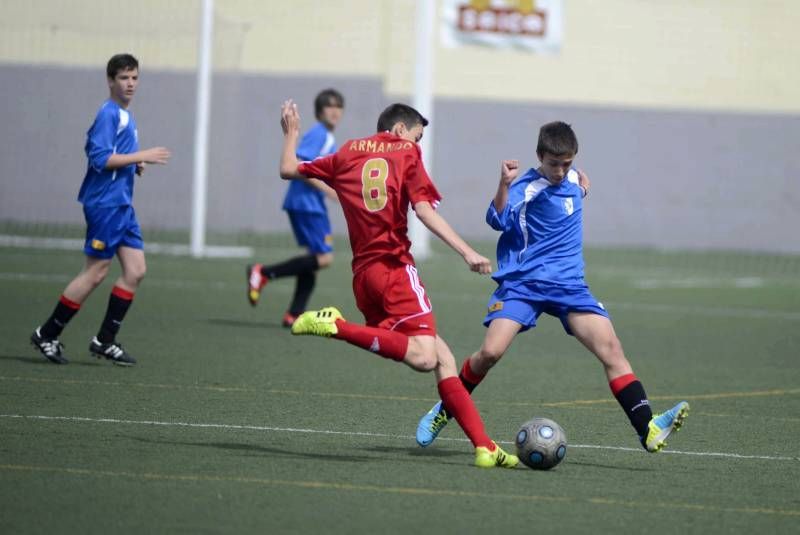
308 215
540 269
112 148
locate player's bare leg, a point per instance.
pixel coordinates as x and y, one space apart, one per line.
45 337
105 345
498 338
597 333
94 272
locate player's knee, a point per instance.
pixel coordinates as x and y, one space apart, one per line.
490 355
422 362
97 273
610 350
324 260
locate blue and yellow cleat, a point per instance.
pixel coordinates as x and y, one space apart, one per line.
317 322
489 459
662 425
430 425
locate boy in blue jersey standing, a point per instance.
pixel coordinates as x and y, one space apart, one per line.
308 215
112 149
540 269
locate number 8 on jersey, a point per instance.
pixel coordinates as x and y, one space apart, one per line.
373 179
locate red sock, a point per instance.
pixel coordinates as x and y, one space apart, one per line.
388 344
459 404
469 378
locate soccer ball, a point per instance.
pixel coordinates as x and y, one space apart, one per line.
541 444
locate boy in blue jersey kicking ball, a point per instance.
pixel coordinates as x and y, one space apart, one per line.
540 269
112 148
308 215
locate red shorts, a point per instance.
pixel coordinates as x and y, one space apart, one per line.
392 297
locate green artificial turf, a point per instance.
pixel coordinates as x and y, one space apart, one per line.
231 425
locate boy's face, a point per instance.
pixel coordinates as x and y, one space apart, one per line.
555 168
123 85
330 116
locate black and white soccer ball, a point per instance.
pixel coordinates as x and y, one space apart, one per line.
541 444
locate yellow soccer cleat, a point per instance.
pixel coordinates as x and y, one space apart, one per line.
662 425
318 322
489 459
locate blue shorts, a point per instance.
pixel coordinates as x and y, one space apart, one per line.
524 302
312 230
110 227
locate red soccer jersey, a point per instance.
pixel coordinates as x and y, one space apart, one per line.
375 179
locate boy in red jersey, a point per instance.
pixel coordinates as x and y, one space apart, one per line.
376 178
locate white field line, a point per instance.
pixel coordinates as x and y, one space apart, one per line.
722 312
174 249
364 434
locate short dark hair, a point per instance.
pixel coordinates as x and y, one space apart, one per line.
121 62
557 138
327 97
400 113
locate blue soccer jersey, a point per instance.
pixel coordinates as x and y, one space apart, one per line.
113 132
302 197
542 231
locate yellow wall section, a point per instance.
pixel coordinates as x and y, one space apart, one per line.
710 54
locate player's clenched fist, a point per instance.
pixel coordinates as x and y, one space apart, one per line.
509 169
478 263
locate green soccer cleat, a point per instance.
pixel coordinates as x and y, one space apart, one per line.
489 459
318 322
662 425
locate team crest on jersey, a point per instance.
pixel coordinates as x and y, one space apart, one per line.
568 206
98 245
494 307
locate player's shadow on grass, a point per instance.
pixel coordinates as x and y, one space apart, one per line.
255 449
42 360
258 449
415 451
611 467
227 322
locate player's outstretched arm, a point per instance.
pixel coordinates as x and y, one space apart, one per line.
290 124
439 226
158 155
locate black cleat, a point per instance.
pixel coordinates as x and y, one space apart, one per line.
112 351
50 348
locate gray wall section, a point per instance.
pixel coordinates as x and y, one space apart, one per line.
667 179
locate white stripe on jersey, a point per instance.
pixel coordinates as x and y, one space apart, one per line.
572 176
328 146
531 191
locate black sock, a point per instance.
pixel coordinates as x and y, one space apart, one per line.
118 304
63 312
292 267
302 292
634 402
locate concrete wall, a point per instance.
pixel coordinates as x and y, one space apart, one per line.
661 178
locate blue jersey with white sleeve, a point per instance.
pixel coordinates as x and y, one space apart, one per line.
302 197
113 132
542 231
